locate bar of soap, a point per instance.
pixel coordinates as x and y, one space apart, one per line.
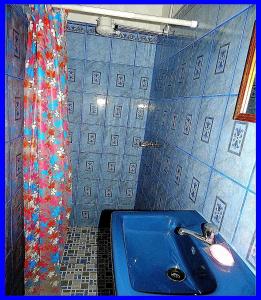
222 255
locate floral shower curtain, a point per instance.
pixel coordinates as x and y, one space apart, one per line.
46 159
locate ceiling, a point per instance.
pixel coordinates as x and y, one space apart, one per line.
154 10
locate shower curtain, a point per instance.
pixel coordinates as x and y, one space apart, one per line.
46 157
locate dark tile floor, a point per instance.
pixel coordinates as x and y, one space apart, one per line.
86 264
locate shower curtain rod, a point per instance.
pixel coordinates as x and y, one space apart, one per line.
127 15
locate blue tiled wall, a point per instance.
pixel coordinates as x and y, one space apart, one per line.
16 33
109 91
207 160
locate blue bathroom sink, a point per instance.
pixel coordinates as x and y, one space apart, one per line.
150 258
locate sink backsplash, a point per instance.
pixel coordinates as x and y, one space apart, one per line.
207 160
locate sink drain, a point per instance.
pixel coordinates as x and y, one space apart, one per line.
176 274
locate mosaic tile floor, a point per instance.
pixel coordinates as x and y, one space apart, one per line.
86 265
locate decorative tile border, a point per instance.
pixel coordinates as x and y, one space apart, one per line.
193 193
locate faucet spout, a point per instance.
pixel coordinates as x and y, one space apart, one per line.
208 235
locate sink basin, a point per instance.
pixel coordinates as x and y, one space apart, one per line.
149 258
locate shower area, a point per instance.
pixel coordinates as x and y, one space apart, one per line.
150 128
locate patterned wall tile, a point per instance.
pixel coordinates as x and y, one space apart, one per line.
138 113
133 139
86 215
187 123
96 77
117 111
15 107
114 140
237 137
127 194
8 228
109 192
223 203
74 129
75 27
17 215
7 172
16 36
142 79
93 111
223 58
120 82
87 191
130 168
74 107
16 150
208 128
251 256
236 150
111 165
89 166
91 138
75 74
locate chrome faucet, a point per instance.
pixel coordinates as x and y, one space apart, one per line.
208 233
146 144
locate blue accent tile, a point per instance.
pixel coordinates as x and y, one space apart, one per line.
93 111
236 150
120 82
145 54
15 107
208 128
130 168
109 192
142 82
75 74
224 56
138 113
98 48
120 56
74 107
111 165
86 215
114 140
243 238
87 191
75 27
96 77
117 111
223 204
76 45
91 138
133 138
89 166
